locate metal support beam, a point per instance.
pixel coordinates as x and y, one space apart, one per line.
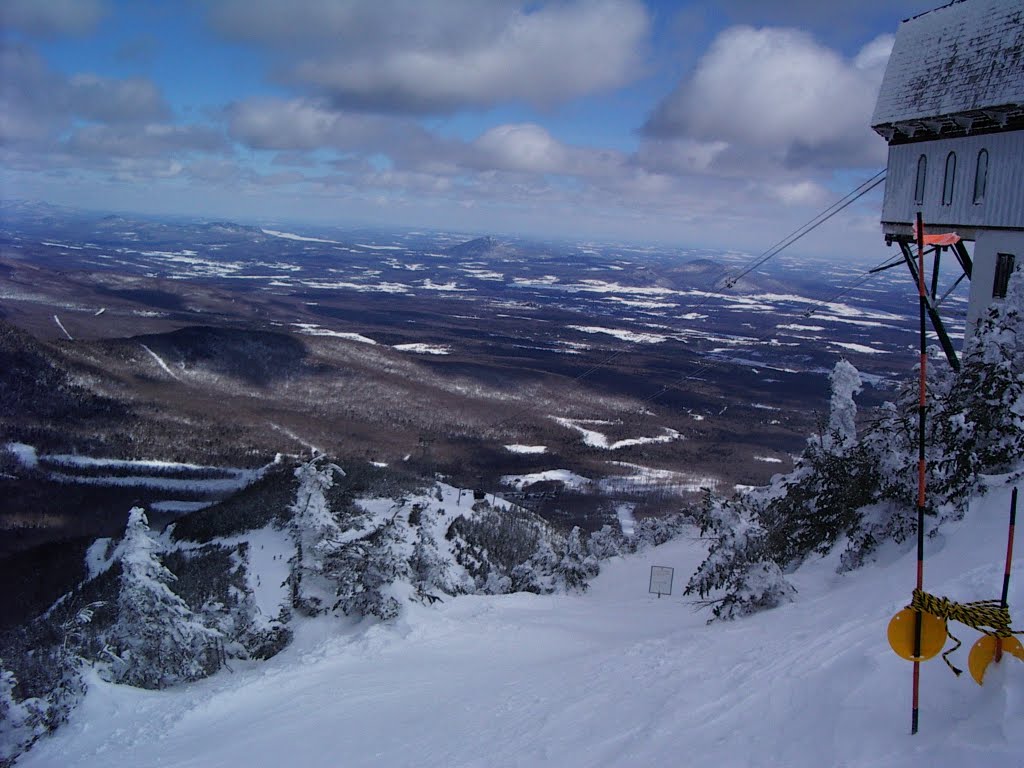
950 289
935 273
933 314
964 258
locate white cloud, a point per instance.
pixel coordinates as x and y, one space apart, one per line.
875 55
777 96
680 155
446 56
51 18
28 83
107 100
803 192
151 140
304 124
526 147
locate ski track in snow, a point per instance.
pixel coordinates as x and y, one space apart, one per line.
301 440
614 677
160 361
61 326
596 439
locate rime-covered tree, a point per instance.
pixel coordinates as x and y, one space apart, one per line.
607 542
842 417
537 574
157 640
983 428
366 567
316 533
738 577
768 531
576 566
430 568
21 722
652 531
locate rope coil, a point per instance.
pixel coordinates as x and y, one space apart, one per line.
990 617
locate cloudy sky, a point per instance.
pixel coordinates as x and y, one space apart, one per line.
720 124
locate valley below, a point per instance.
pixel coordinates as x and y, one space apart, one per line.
576 379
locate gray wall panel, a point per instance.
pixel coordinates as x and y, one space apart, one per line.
1003 205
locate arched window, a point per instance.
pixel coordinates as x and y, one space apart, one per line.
980 176
922 172
948 179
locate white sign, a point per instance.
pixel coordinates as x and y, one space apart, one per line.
661 579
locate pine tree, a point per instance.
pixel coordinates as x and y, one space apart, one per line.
607 542
316 533
738 577
983 428
430 570
21 722
537 574
366 567
576 566
842 419
157 640
652 531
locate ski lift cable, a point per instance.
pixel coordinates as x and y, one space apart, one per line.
856 193
884 265
713 362
813 224
845 201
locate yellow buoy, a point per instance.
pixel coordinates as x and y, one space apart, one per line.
984 651
901 634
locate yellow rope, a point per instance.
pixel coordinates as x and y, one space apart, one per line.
990 617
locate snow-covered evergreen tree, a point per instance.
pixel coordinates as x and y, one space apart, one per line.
769 531
316 532
429 567
607 542
738 577
576 566
983 427
365 569
157 640
537 574
842 417
21 721
652 531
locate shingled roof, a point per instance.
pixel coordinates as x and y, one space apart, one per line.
962 58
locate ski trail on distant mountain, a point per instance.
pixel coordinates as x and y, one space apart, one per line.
61 326
161 363
295 437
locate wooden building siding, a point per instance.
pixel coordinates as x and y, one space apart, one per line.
1003 203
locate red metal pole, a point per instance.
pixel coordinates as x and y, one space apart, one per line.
1009 562
922 298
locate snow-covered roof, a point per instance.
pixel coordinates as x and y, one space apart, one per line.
964 57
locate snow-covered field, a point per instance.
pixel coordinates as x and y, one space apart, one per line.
614 677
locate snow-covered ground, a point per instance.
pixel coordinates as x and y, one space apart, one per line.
424 349
596 439
614 677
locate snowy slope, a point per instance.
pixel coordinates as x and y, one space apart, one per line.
614 677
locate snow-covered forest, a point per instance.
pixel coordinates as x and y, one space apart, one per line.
440 625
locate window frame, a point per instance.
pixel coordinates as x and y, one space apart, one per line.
981 175
920 178
949 179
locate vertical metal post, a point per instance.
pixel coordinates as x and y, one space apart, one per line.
1009 561
920 471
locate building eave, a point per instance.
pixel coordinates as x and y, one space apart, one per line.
1004 117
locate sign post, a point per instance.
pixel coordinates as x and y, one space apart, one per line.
661 580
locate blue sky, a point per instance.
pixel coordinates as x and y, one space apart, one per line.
718 124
